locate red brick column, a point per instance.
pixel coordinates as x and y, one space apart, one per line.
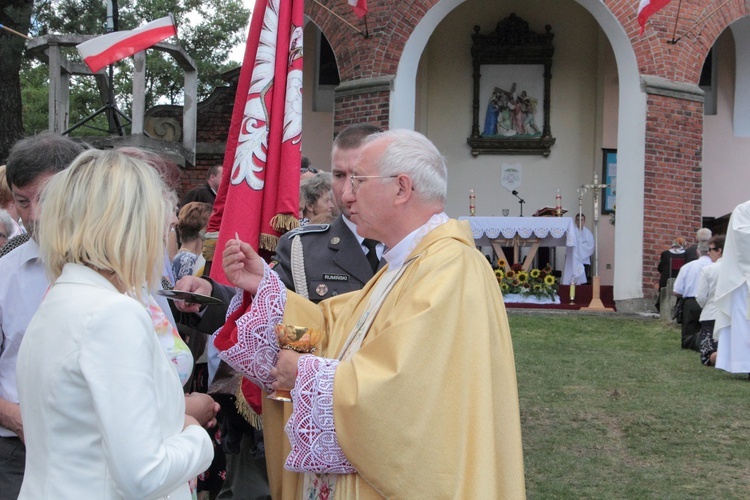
673 180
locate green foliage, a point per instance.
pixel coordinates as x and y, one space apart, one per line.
207 30
612 407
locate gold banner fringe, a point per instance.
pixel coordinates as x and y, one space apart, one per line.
268 242
244 409
209 247
284 222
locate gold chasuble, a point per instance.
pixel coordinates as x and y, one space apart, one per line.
428 406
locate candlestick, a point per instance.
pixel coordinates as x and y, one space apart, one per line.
472 203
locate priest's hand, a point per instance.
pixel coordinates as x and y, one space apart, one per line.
243 267
285 371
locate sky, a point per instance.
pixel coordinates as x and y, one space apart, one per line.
239 51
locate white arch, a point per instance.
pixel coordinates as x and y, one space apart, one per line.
630 136
741 33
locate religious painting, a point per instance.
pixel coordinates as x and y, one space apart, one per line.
511 106
609 177
512 93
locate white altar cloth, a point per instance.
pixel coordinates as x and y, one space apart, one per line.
532 231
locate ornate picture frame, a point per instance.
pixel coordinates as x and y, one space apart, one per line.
511 107
609 177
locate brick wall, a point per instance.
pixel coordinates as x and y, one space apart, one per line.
673 183
674 126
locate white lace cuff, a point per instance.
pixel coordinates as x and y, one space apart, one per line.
256 350
310 429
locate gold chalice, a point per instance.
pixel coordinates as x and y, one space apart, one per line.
299 339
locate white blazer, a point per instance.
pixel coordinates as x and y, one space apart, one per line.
102 405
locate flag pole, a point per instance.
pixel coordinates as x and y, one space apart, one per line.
15 32
345 21
673 42
676 20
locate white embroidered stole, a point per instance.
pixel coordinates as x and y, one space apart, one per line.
322 486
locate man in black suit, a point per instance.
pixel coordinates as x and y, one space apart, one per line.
207 193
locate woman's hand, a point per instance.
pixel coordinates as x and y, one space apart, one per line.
202 408
243 267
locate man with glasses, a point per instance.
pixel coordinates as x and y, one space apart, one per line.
31 164
686 286
413 394
706 299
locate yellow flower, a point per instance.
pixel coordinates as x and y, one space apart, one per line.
537 287
501 263
549 280
523 276
535 273
504 287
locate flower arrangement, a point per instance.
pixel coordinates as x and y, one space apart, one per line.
540 283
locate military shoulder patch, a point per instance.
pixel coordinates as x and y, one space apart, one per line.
310 228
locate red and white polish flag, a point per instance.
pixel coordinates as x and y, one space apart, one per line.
359 7
647 8
104 50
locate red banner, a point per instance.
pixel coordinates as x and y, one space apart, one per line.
259 194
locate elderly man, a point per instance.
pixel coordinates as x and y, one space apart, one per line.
686 287
702 234
423 347
31 163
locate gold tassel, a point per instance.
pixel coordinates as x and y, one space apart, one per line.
244 409
284 222
268 242
209 245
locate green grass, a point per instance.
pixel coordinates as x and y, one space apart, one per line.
611 407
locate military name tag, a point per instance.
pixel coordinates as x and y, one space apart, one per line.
336 277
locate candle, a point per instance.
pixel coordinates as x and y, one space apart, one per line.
558 203
472 203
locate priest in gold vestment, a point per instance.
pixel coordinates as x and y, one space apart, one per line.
413 393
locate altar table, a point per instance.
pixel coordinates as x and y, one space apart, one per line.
528 231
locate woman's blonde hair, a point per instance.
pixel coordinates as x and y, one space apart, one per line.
107 210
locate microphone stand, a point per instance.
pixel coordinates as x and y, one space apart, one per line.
520 200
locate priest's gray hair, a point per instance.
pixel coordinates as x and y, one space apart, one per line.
413 154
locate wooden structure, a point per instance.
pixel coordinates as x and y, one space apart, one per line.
48 49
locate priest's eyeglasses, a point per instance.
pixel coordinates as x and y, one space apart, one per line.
356 180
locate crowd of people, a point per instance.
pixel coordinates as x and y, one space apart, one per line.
99 376
710 283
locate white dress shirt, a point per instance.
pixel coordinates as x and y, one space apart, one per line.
24 283
686 283
102 405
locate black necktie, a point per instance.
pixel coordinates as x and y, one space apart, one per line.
372 254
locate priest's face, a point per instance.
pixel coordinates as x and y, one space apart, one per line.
370 197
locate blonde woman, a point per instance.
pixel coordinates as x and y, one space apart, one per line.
102 405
